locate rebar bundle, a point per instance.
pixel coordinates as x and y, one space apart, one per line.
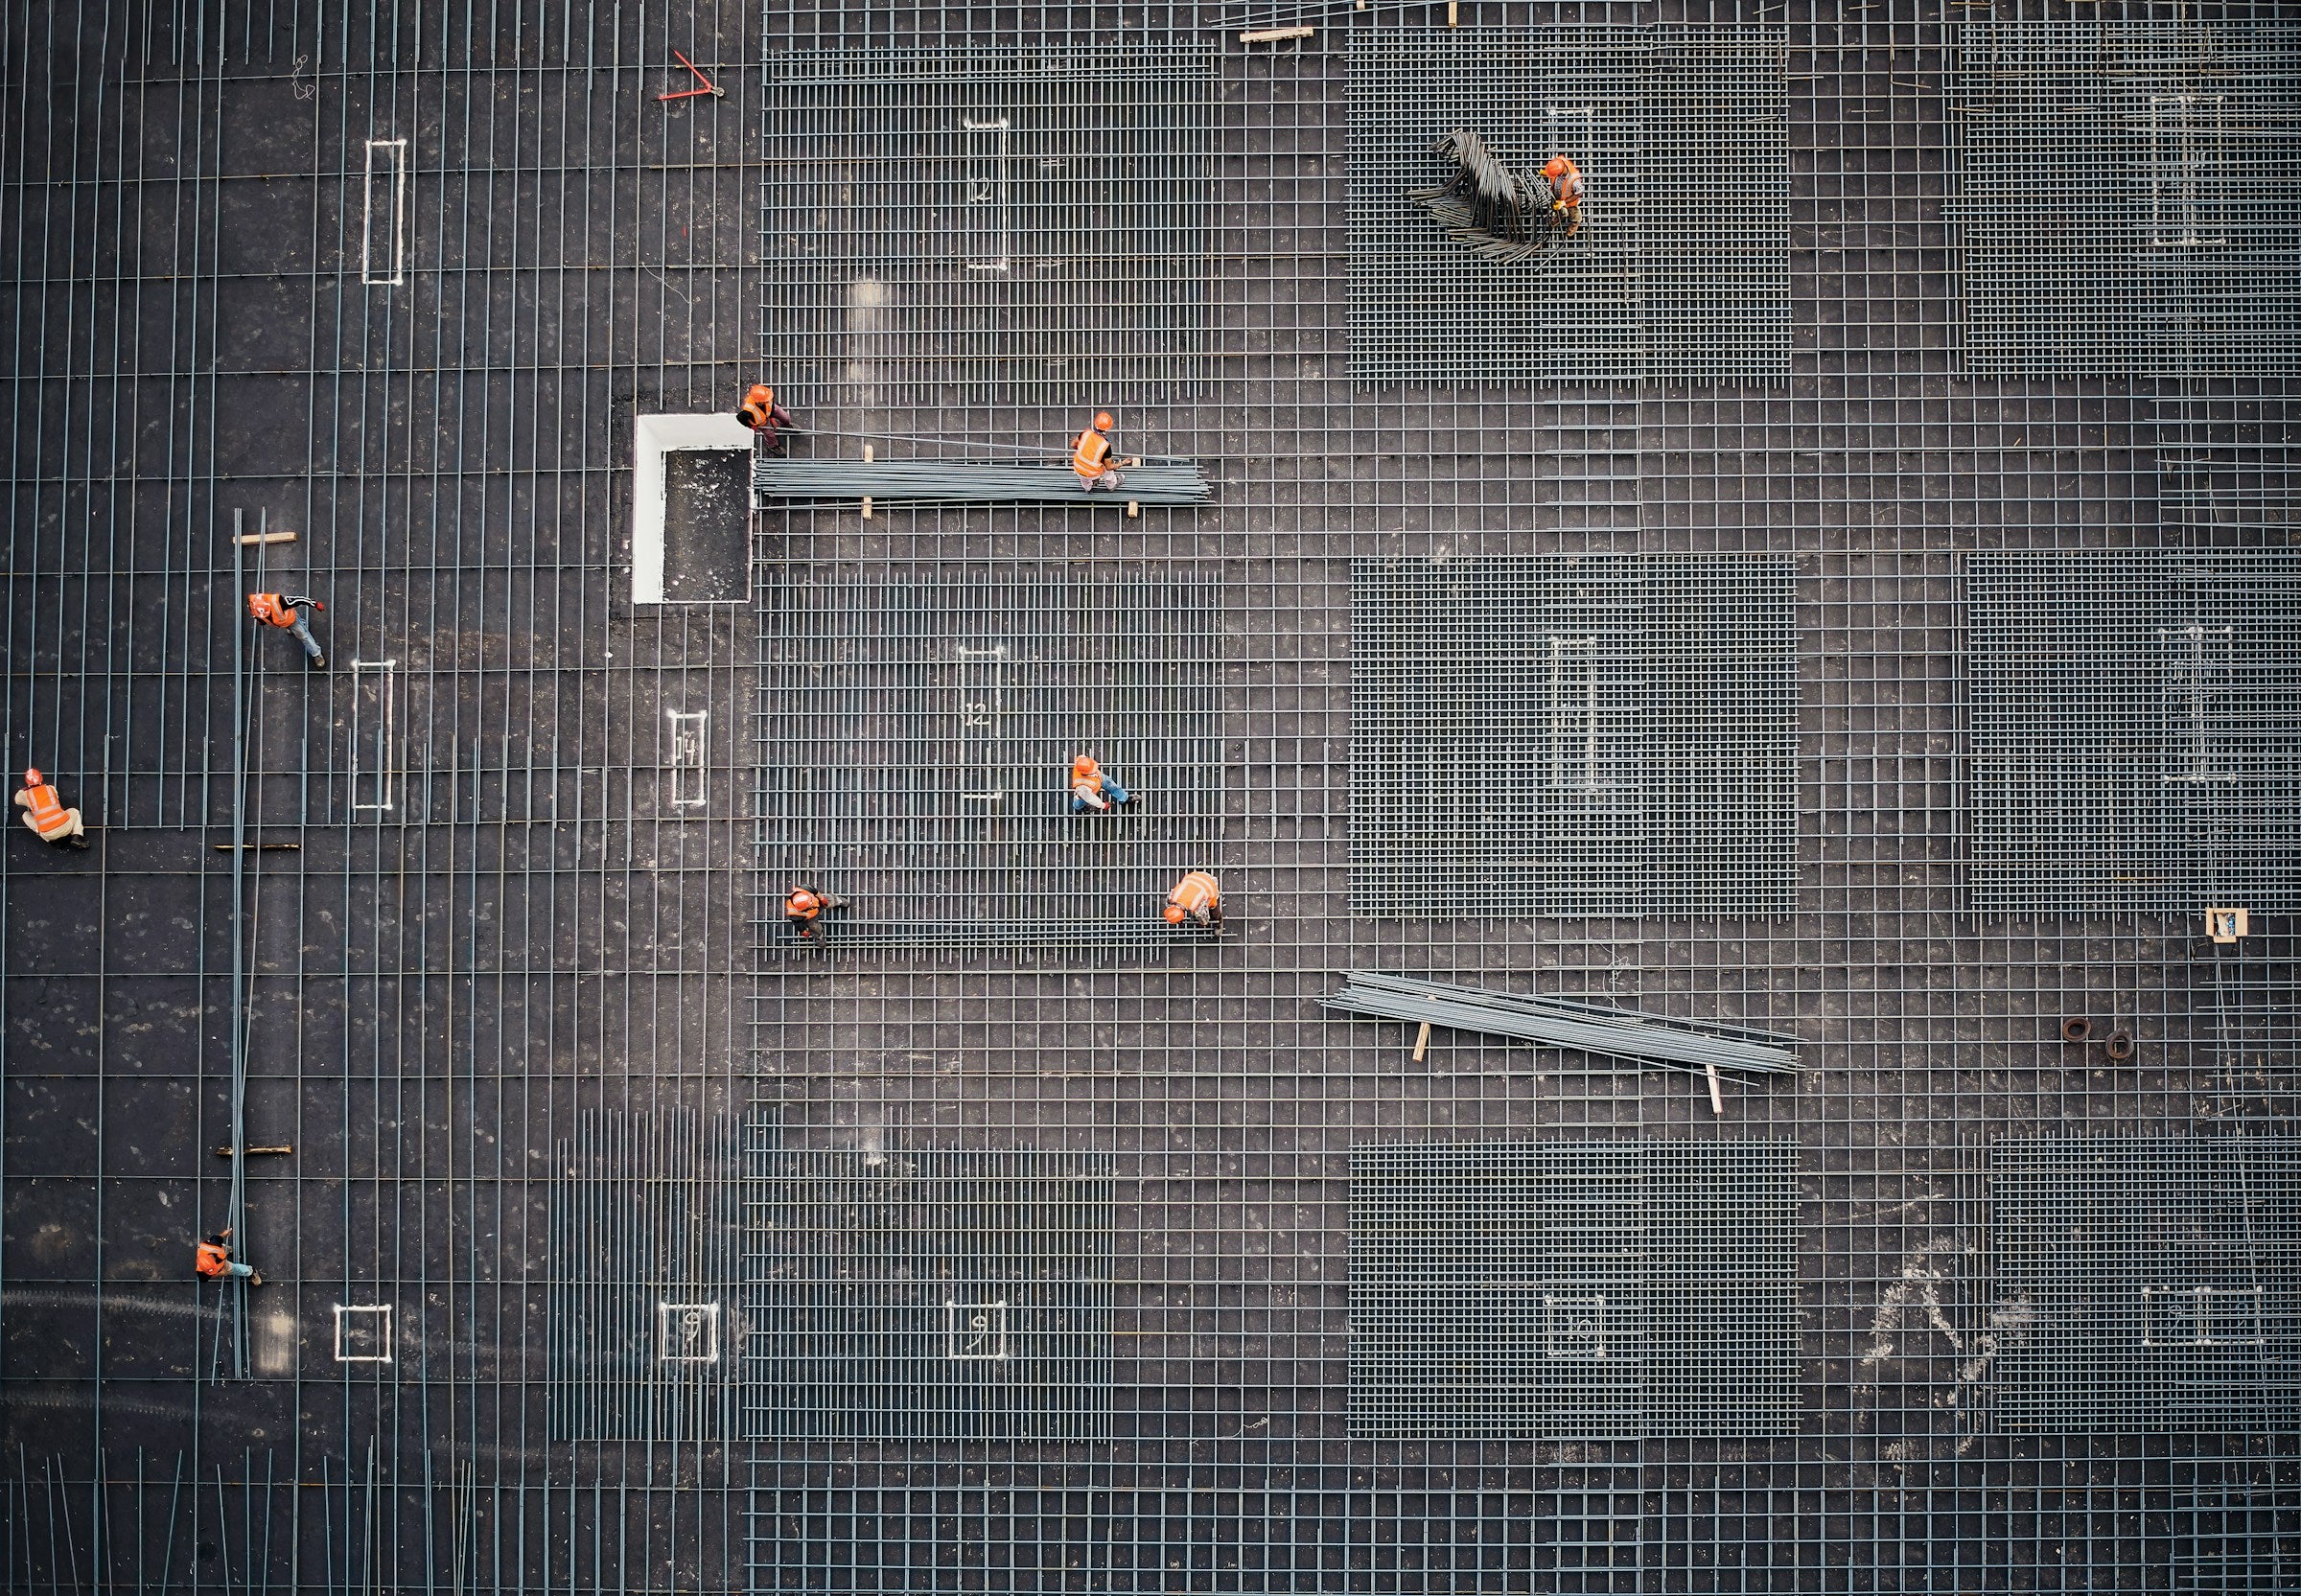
967 481
1587 1028
1494 213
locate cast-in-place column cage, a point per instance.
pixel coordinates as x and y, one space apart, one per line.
2128 197
1017 226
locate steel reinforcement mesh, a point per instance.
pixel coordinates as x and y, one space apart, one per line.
397 279
1681 266
2134 720
2126 194
1605 735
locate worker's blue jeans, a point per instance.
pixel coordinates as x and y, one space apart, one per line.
1111 791
239 1271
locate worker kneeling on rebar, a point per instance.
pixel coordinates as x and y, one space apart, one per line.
1091 457
1566 191
45 812
1198 899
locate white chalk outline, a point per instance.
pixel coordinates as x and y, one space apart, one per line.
369 1311
663 1312
395 174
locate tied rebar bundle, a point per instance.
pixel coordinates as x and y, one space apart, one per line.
778 481
1487 208
1554 1022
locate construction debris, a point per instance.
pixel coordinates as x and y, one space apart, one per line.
775 483
1553 1022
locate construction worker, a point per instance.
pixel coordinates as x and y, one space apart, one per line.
45 813
805 905
213 1260
1198 899
759 413
1091 458
1566 191
1092 787
286 611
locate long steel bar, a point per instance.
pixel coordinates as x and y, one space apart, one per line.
968 482
1633 1036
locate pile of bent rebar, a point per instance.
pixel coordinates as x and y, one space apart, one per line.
1554 1022
777 481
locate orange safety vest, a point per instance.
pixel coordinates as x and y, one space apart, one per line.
1196 895
758 406
46 811
1089 455
1086 779
803 905
211 1260
1570 187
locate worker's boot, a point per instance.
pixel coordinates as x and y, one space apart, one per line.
303 635
255 1280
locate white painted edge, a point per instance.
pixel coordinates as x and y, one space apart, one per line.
652 438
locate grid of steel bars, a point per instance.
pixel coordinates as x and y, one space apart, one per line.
433 997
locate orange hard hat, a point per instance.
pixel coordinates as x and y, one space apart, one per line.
32 779
1102 420
1083 765
1555 166
1174 914
802 898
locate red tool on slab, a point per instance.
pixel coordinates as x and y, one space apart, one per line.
708 87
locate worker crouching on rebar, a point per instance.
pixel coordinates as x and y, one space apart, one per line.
45 812
1092 787
806 906
213 1260
1091 457
287 612
1198 899
759 413
1566 191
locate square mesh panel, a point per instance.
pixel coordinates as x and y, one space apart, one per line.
642 1218
2146 1284
2131 715
988 225
1609 734
1622 1288
930 1295
1682 268
2129 197
917 730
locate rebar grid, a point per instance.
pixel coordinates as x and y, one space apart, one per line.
429 1004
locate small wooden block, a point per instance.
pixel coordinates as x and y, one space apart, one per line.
866 509
2226 925
1718 1098
867 454
1421 1041
264 538
1274 35
1454 14
1134 509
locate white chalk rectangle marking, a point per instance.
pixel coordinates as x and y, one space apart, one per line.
364 1333
374 737
384 238
686 756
